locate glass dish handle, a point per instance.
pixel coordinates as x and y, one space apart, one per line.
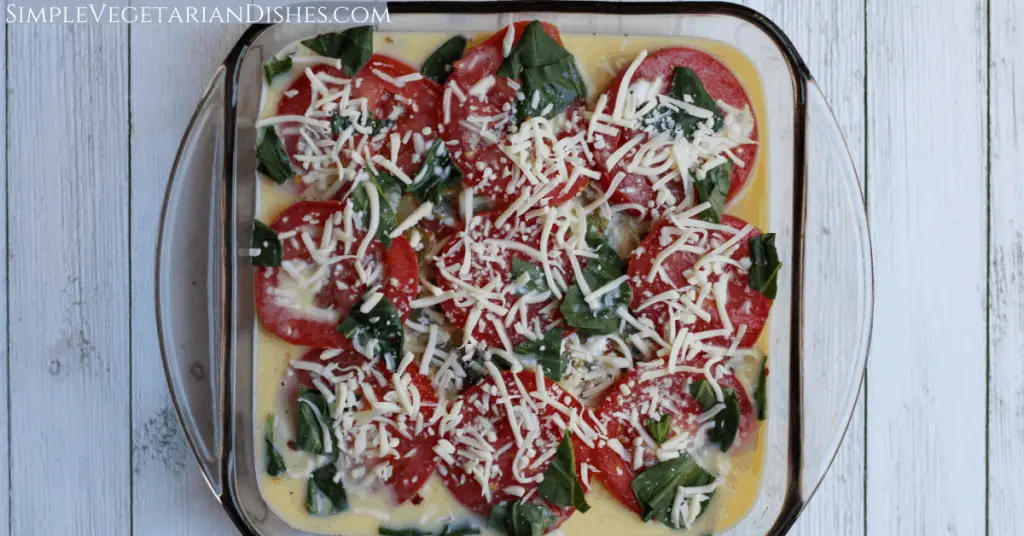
191 284
838 292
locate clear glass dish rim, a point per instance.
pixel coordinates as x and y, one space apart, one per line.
795 497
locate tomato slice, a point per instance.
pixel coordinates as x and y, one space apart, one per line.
669 395
744 306
484 424
485 166
410 461
493 247
718 81
306 314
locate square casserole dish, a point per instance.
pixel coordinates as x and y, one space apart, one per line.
821 319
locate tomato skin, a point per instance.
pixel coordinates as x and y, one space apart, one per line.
343 288
720 83
746 306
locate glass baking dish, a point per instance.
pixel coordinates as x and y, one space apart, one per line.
821 320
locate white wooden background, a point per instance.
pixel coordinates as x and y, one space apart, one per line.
927 93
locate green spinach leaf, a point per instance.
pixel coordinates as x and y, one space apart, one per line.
438 65
660 428
548 352
656 488
437 173
265 239
274 161
714 188
324 496
686 83
273 460
599 271
535 282
761 389
352 46
308 426
383 324
561 487
275 66
727 421
546 68
518 518
764 265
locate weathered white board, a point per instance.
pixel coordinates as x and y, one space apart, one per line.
5 512
927 200
69 387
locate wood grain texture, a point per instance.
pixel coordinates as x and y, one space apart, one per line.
926 160
5 513
68 279
170 496
830 37
1006 269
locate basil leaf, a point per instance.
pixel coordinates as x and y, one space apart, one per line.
727 421
339 123
447 530
265 239
352 46
561 487
598 272
438 65
660 428
389 193
656 488
517 518
685 83
714 188
274 161
272 458
536 282
324 496
545 67
308 426
382 323
596 224
761 390
548 351
276 66
764 265
437 173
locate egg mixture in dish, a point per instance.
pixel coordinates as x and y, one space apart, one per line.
511 284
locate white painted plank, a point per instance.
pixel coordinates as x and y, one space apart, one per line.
171 65
68 279
4 385
1006 262
829 35
927 203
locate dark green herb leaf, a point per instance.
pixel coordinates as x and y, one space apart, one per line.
727 421
274 161
389 193
714 188
352 46
438 65
447 530
339 123
274 461
686 83
308 426
561 487
324 496
517 518
545 67
596 224
276 66
536 282
761 389
548 352
764 265
660 428
437 173
599 271
656 487
265 239
382 323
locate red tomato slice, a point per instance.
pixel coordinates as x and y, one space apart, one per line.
671 394
496 266
745 305
720 83
280 298
484 165
484 420
412 461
